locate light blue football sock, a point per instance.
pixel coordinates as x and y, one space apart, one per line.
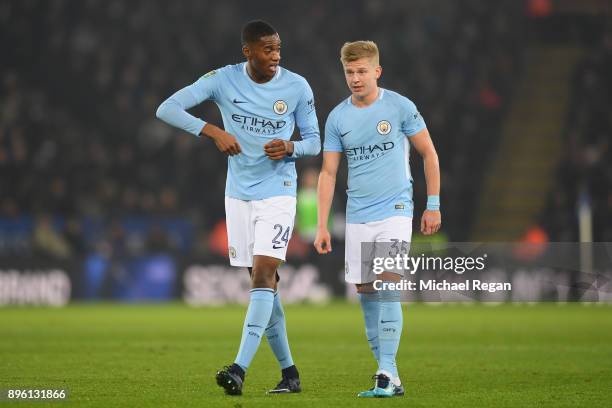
389 331
276 333
255 322
370 305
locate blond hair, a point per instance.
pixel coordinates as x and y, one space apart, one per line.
352 51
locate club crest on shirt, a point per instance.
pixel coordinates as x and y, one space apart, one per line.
280 107
383 127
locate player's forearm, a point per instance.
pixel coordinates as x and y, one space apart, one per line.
211 131
432 173
310 145
325 196
173 112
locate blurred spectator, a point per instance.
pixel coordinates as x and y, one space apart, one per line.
532 244
73 233
217 241
157 240
539 8
47 241
307 204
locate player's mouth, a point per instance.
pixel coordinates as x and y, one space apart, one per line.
357 88
273 68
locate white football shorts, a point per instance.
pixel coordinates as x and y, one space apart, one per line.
258 227
396 231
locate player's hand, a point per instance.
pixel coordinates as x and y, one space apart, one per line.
431 222
225 142
322 242
277 149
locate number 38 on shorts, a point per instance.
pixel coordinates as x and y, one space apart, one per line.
258 227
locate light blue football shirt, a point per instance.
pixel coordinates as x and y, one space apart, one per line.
255 114
375 141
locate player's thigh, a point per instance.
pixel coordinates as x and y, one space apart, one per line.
274 220
393 238
266 266
357 264
240 231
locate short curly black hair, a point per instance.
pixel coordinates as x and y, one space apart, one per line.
254 30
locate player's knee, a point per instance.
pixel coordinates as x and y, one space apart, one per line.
264 272
364 287
390 277
259 281
263 277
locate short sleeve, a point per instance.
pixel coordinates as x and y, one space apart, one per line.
412 121
333 142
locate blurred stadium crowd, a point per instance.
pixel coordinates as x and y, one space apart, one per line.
84 164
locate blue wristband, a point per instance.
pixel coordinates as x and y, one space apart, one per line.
433 203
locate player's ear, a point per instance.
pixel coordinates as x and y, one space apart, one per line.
246 51
378 72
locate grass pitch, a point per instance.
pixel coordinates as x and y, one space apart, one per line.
451 355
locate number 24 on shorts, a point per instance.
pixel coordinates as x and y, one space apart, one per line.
280 237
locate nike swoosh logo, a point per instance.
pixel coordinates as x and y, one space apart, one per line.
272 325
345 133
277 247
253 325
388 321
237 101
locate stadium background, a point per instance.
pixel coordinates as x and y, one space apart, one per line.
100 200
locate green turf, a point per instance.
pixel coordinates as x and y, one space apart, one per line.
451 355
